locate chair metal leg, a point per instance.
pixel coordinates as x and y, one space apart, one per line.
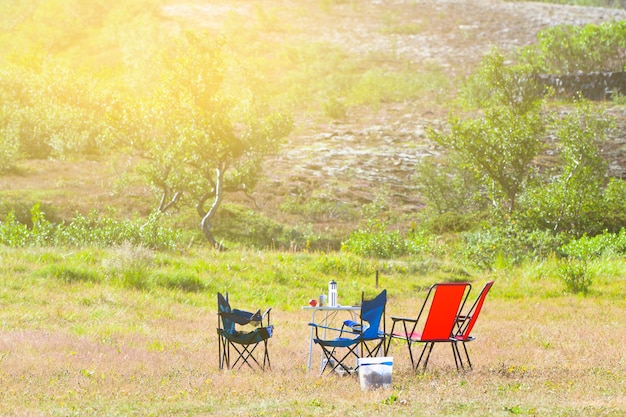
467 355
457 356
427 346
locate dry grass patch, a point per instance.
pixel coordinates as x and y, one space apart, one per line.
146 354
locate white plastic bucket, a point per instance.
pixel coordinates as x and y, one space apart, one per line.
375 372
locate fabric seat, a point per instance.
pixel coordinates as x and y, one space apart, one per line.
444 300
465 323
363 339
240 333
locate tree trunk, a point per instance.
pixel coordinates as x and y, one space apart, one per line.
206 219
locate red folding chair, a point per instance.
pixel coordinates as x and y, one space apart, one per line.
465 324
445 304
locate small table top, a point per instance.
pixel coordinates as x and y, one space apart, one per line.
338 307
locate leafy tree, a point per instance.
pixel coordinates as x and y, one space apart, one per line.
497 84
201 135
498 149
571 200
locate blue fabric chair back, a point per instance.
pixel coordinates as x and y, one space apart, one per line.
224 307
372 312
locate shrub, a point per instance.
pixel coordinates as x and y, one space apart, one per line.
238 224
91 230
567 48
507 243
576 276
605 244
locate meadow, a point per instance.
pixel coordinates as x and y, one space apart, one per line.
79 337
107 318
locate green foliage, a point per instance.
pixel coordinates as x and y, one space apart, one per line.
593 247
508 245
9 142
238 224
567 49
373 239
448 188
130 265
497 83
572 200
91 230
376 242
12 232
490 156
498 149
52 111
180 280
335 108
614 196
576 276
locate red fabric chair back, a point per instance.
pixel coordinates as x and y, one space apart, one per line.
443 311
474 312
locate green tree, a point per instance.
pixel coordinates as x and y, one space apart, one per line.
498 148
571 199
497 83
202 135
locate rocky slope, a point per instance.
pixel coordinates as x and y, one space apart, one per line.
374 153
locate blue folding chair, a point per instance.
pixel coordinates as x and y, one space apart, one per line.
356 339
242 340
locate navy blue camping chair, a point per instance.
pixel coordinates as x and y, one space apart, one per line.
355 339
240 333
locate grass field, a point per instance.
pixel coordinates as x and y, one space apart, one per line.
103 347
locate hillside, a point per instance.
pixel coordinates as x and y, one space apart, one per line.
373 150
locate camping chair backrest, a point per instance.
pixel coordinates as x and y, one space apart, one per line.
372 311
224 307
231 317
474 311
446 304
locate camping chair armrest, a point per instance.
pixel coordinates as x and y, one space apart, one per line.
334 329
266 313
407 324
403 319
238 316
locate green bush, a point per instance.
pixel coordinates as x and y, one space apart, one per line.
509 243
92 230
376 244
605 244
566 49
576 276
244 226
